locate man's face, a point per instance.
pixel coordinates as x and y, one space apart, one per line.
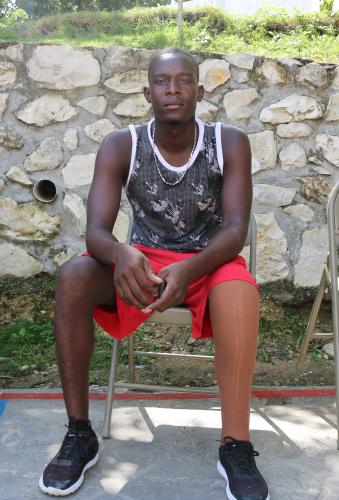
173 88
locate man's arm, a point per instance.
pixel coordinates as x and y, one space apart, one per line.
229 240
236 199
133 272
111 169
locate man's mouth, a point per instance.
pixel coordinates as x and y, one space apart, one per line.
172 105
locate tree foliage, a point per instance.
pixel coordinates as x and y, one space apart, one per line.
180 21
326 5
6 8
37 8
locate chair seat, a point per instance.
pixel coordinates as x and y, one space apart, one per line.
174 315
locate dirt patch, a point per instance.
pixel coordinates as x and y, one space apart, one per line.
189 373
201 374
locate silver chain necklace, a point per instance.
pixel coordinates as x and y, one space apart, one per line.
188 162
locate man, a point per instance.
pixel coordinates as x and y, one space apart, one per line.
189 185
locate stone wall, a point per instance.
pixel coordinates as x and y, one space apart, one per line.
57 103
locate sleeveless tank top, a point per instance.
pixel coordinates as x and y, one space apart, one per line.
183 217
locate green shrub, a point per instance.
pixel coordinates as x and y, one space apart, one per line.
271 32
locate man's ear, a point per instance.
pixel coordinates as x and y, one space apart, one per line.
201 92
147 94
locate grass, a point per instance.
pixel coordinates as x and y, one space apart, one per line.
26 344
27 352
27 349
272 32
280 340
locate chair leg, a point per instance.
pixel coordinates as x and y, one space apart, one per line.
131 359
106 433
335 318
313 318
336 353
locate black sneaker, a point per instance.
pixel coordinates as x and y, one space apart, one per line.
237 466
78 453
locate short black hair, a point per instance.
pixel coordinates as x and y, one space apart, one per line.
175 51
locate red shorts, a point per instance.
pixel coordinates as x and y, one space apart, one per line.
123 320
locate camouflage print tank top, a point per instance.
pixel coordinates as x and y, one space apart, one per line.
183 217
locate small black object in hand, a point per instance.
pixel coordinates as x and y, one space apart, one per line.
161 289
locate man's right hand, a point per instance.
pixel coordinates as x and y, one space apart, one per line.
134 279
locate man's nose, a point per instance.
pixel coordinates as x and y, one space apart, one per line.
173 86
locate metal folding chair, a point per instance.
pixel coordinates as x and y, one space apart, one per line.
328 282
333 236
311 333
176 316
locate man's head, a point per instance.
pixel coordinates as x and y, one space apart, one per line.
174 88
173 53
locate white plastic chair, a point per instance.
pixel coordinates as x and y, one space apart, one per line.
176 316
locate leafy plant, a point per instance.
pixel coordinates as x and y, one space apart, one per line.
326 6
37 8
270 32
6 7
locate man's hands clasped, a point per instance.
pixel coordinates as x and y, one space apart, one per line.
175 276
137 283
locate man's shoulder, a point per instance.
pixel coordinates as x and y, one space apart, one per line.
233 137
118 142
114 153
118 136
227 131
230 131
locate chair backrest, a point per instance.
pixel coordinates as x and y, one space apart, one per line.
251 241
333 239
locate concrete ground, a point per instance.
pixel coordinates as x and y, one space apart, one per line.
167 450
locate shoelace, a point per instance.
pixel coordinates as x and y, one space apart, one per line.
73 440
240 454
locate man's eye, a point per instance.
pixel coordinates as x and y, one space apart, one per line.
185 81
161 81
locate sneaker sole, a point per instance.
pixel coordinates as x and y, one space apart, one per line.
223 474
62 493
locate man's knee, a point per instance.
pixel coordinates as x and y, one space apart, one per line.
75 274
